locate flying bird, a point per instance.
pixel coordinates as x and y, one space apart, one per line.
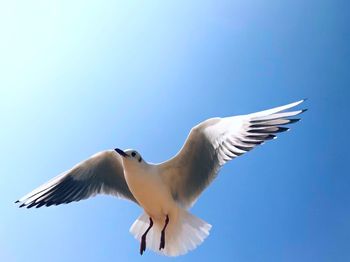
166 191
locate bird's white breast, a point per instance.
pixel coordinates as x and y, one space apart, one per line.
149 190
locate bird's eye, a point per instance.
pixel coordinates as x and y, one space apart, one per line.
133 154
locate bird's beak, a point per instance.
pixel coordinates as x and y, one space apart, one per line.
121 152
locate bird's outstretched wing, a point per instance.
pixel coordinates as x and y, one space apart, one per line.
214 142
101 173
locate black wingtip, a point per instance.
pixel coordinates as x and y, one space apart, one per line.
270 137
23 205
304 110
267 137
17 201
40 204
282 129
291 121
244 148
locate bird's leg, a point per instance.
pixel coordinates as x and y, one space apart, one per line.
143 238
162 237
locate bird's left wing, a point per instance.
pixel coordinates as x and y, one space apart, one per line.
102 173
214 142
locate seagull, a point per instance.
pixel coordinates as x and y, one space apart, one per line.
166 191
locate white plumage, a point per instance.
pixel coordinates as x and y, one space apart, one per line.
165 191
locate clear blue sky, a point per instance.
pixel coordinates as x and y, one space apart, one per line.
78 77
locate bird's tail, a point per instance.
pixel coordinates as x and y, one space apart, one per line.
183 234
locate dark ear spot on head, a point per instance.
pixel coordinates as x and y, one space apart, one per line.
140 159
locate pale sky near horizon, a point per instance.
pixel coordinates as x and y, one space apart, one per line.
78 77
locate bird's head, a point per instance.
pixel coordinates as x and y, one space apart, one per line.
130 156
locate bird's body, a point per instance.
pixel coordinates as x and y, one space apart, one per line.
148 188
165 191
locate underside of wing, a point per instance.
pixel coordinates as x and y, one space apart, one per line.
101 174
214 142
243 133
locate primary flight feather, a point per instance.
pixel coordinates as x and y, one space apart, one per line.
165 191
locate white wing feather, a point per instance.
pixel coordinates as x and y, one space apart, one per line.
214 142
102 173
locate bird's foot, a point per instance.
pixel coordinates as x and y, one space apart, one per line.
143 245
162 241
143 238
162 237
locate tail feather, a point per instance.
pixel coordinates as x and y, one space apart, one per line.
182 235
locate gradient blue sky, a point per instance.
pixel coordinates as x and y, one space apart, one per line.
78 77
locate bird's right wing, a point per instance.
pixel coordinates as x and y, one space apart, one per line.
102 173
214 142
